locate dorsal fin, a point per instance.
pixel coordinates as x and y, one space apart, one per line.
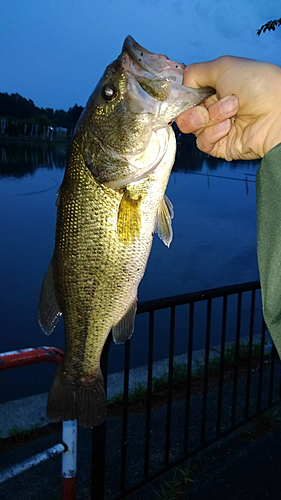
164 221
49 312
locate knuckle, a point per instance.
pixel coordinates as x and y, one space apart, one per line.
179 122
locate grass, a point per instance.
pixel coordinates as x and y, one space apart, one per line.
174 488
268 421
170 490
230 357
18 432
264 423
160 384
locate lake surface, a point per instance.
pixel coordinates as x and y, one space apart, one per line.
214 245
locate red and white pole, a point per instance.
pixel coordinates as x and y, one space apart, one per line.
69 459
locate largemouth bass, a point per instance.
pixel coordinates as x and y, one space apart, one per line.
111 201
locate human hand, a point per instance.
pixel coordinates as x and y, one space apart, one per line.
243 120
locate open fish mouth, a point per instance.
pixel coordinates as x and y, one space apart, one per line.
141 61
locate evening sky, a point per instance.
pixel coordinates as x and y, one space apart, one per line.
54 51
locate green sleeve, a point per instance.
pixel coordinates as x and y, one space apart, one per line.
268 189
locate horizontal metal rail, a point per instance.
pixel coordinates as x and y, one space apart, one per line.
31 356
17 469
187 298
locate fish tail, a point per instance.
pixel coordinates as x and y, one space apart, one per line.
84 400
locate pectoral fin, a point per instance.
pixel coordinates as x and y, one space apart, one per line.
49 311
125 328
164 221
129 218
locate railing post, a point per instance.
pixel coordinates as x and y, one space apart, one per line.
206 373
188 377
149 394
221 373
125 417
98 462
69 459
99 439
236 360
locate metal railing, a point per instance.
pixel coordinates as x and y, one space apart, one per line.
236 369
252 386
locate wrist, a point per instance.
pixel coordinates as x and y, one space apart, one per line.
274 141
273 137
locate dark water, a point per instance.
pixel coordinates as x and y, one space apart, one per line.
214 245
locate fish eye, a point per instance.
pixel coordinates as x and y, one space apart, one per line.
109 92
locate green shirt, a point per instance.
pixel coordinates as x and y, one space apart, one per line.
268 189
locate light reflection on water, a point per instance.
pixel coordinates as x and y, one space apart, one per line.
214 245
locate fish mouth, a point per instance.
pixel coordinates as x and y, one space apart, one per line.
142 62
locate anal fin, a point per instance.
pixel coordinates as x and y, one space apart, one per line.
49 312
164 221
123 330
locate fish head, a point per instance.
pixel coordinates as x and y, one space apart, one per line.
139 94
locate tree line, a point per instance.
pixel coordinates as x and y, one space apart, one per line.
19 111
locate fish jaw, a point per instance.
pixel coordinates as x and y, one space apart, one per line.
155 84
157 65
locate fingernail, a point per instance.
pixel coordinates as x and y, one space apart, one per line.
197 119
228 104
223 126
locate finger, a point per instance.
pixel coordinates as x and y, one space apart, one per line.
193 119
211 100
223 109
210 137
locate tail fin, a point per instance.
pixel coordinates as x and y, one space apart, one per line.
70 399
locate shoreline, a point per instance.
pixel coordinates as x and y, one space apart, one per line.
29 413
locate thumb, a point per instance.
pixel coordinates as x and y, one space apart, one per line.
202 74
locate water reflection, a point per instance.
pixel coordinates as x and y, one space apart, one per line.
19 159
214 245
